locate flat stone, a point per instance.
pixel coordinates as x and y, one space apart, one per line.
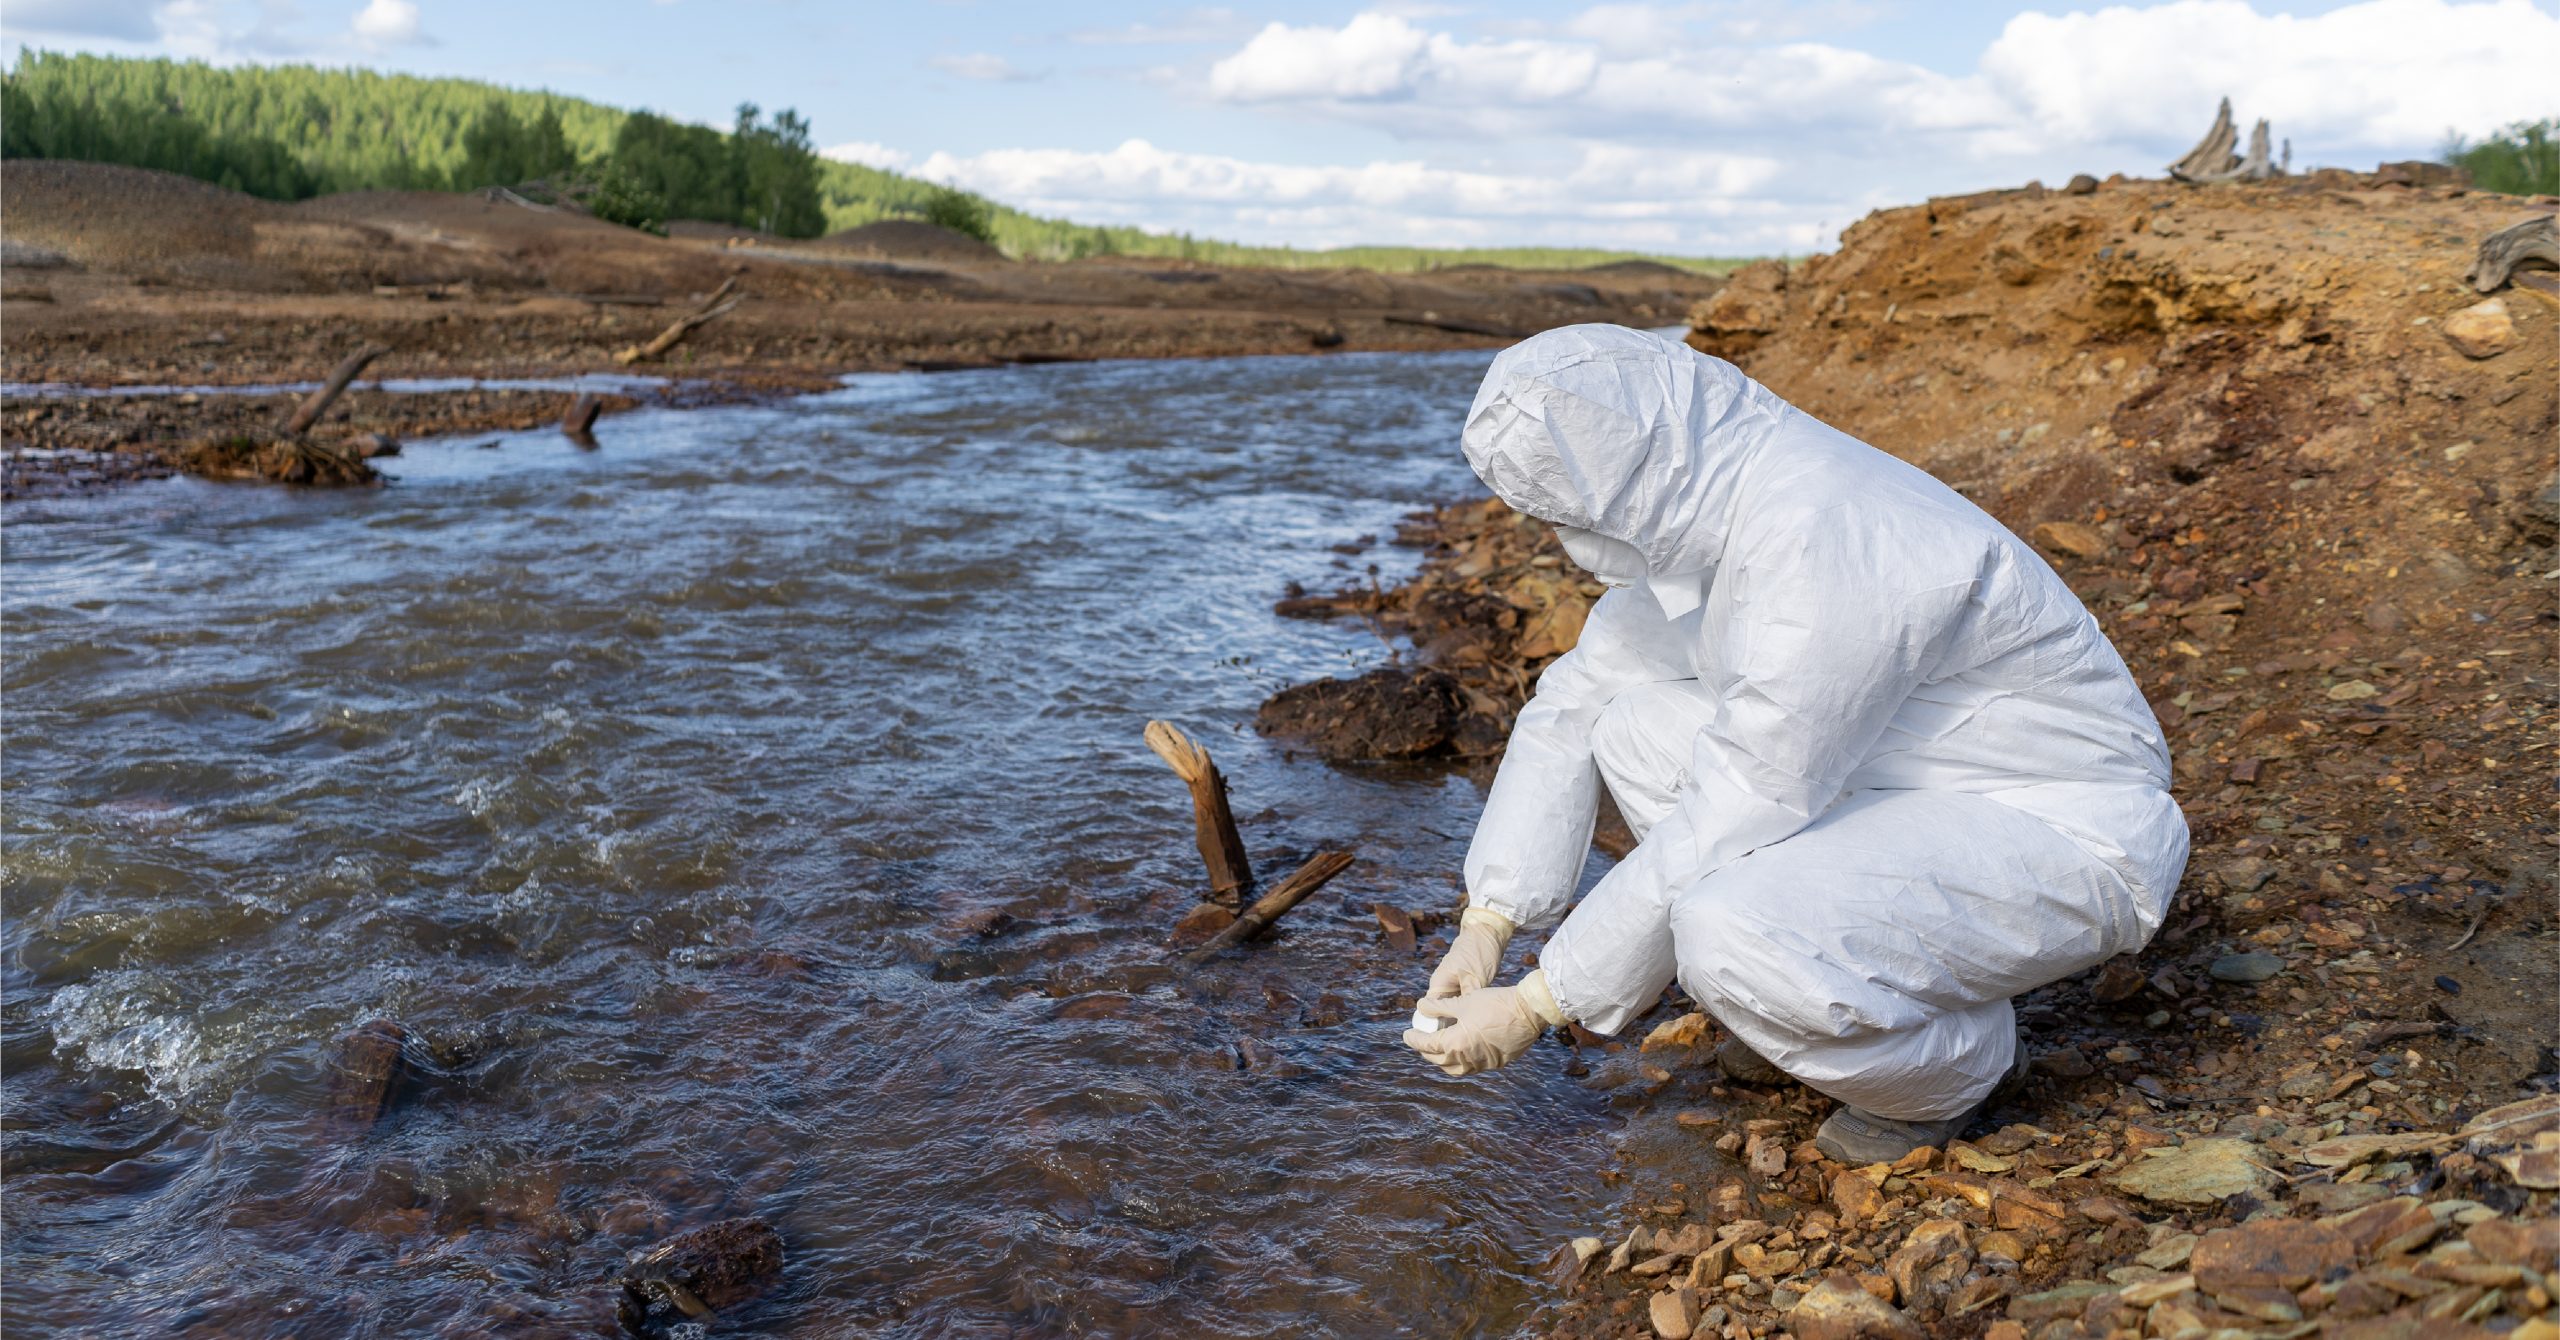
2534 1246
2481 330
2199 1172
1932 1259
2254 966
2269 1254
2170 1252
2075 538
2068 1301
2161 1290
1686 1031
2246 874
1675 1313
1839 1308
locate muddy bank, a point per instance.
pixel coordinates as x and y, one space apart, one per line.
2304 479
118 276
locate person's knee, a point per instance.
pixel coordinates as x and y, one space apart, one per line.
1738 955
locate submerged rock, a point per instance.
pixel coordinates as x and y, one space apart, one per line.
366 1077
692 1276
1384 714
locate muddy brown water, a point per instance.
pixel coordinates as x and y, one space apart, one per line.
749 818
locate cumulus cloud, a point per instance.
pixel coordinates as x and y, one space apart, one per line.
388 23
2384 73
1601 195
985 67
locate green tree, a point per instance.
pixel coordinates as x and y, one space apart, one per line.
961 212
2522 159
776 171
500 150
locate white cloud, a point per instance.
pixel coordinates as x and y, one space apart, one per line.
388 23
1603 195
982 66
2381 74
868 154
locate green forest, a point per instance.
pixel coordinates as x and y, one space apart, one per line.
289 132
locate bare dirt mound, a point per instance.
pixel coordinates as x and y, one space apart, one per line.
134 219
909 240
165 229
2304 479
437 237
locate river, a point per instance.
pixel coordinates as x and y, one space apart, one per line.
749 818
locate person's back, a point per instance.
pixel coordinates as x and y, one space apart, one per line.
1885 769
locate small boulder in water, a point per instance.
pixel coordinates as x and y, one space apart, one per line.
694 1275
366 1077
1384 714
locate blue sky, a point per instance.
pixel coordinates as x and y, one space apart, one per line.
1726 126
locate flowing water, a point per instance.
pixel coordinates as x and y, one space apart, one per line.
668 795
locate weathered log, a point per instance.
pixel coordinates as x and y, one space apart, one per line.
1212 822
318 402
2212 155
2212 160
1270 907
579 423
711 309
2531 245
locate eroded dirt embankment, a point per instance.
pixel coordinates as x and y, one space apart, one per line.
2306 484
119 276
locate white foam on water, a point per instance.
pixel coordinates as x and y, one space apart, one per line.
121 1021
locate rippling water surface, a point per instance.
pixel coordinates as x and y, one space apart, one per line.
664 794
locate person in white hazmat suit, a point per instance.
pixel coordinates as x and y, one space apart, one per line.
1884 770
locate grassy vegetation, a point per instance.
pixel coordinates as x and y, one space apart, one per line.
288 132
2523 159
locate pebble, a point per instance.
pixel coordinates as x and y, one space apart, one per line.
2449 986
2255 966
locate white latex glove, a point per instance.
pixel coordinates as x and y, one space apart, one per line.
1473 957
1487 1028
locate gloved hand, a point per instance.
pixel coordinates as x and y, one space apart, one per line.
1488 1028
1473 957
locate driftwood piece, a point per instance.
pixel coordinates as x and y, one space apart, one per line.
2213 159
318 402
1212 822
2531 245
1270 907
579 423
712 308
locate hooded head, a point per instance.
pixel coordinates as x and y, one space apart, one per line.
1626 435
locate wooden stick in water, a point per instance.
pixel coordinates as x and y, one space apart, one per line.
580 422
318 402
1212 822
1270 907
711 308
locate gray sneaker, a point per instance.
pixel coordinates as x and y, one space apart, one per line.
1745 1066
1858 1138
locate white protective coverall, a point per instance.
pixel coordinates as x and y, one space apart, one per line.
1885 770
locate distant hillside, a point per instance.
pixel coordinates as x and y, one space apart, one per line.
289 132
